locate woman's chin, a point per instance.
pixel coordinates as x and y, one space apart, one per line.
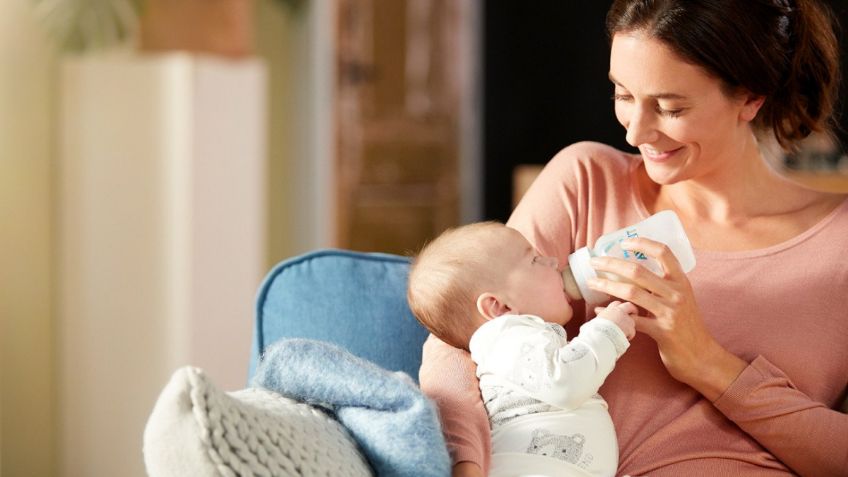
663 174
664 168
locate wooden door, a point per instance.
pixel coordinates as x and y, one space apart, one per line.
397 122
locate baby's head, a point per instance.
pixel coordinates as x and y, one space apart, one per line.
477 272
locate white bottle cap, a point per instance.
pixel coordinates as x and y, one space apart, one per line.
582 271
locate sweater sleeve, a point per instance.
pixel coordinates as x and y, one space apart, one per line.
447 376
763 402
583 192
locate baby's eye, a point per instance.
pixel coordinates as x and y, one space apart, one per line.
545 261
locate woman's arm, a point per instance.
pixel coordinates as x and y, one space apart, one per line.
448 377
804 434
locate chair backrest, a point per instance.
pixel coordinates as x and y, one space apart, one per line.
353 299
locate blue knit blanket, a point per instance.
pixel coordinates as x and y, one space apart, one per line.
395 425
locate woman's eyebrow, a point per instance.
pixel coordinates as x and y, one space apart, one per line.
652 96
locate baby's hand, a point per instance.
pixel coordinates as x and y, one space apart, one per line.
620 314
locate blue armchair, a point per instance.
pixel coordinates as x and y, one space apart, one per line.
353 299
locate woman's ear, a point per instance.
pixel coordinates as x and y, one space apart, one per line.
751 107
490 306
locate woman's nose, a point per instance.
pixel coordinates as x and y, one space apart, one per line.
640 128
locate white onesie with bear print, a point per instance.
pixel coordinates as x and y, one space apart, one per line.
541 394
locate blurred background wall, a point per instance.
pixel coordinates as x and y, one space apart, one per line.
28 99
300 133
101 258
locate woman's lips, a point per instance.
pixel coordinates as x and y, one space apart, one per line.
657 155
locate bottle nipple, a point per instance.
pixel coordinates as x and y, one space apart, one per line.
569 285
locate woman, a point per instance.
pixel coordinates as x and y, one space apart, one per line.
739 366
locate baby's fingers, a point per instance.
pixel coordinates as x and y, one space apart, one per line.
611 305
625 307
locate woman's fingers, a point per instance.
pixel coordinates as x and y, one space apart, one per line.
633 292
647 325
631 272
635 272
656 250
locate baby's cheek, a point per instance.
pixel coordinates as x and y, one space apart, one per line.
569 311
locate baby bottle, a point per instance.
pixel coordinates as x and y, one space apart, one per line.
662 227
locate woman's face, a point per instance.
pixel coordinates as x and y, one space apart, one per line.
684 125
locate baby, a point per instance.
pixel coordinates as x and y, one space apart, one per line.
483 288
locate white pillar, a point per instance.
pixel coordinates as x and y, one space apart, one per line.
161 240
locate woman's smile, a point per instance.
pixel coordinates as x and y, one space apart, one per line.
657 155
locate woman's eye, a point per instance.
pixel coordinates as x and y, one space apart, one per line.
672 113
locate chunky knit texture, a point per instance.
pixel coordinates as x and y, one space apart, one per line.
199 430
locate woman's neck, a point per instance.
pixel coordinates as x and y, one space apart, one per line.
736 191
744 207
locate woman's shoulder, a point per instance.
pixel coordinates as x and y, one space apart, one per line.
595 157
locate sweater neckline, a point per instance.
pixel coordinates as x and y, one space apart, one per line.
643 211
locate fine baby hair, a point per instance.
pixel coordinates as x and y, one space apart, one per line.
446 277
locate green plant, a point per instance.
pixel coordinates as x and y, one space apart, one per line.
83 25
292 4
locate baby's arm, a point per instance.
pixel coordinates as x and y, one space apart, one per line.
540 362
585 362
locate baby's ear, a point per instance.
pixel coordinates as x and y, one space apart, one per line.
490 306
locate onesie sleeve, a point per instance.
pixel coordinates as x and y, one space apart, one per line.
529 355
765 403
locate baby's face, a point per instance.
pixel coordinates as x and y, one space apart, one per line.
532 283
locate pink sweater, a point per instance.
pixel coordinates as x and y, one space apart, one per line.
783 309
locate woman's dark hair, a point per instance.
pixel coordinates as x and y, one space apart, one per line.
783 50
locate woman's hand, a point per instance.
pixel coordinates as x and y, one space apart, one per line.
686 347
